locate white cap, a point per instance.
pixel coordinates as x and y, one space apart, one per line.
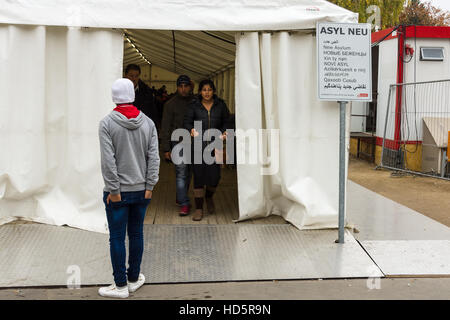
122 91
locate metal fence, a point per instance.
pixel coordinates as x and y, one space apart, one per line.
417 128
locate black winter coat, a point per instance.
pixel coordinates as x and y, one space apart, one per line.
217 117
173 118
145 102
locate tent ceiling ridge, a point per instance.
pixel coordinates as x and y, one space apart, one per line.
153 35
169 48
170 62
168 43
152 51
170 67
156 59
210 44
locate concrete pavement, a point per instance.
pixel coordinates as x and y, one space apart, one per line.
341 289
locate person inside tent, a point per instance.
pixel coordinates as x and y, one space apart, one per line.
173 118
144 96
213 113
130 168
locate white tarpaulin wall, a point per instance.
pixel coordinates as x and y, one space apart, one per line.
55 87
276 88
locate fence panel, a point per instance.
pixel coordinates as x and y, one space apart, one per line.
416 129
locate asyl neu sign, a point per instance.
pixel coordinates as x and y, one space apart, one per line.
344 61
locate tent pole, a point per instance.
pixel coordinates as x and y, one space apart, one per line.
342 120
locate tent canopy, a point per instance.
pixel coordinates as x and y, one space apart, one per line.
199 54
221 15
205 52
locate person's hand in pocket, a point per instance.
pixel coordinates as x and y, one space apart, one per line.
113 198
148 194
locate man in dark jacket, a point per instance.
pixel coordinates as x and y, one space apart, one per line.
144 98
173 117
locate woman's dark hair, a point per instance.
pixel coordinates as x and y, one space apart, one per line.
132 67
206 82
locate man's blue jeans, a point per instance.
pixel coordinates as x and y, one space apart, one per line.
127 214
183 174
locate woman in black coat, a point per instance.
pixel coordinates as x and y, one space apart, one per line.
213 114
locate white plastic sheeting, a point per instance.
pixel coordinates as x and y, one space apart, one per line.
55 85
228 15
276 88
225 88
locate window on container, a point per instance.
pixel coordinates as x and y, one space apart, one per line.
431 54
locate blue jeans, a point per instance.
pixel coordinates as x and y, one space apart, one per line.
183 174
127 214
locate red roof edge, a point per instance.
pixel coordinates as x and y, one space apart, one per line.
377 36
427 32
415 32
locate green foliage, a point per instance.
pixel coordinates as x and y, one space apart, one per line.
390 10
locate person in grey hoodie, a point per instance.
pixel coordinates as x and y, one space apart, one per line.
130 168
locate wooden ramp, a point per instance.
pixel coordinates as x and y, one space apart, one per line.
163 209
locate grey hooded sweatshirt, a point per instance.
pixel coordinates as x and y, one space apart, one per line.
129 153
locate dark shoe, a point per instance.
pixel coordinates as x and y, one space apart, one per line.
198 215
184 211
210 205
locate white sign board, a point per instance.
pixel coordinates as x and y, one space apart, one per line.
344 61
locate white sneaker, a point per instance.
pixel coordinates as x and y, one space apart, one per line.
133 286
114 292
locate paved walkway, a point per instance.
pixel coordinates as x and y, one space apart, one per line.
398 289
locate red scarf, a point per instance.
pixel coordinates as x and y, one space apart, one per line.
128 110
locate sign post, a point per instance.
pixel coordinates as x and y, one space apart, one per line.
344 74
342 107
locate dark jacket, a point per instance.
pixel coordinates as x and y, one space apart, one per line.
217 118
144 101
173 118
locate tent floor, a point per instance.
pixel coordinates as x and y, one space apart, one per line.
43 255
163 209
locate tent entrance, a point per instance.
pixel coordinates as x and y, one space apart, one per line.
162 56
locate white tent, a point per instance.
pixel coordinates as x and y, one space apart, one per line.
59 58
